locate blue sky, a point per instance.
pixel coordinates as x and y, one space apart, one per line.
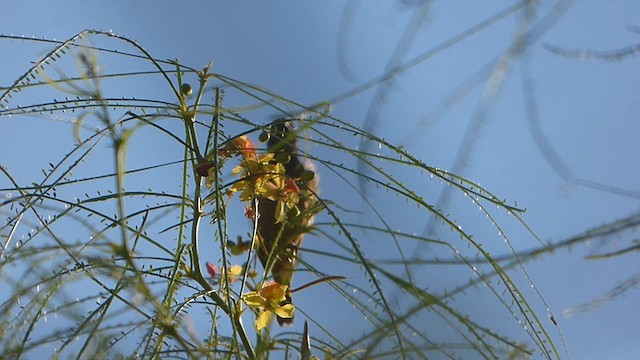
311 52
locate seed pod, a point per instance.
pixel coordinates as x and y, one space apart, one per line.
307 175
283 157
264 136
186 89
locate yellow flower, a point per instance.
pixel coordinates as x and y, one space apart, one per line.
239 145
212 174
239 247
234 272
262 177
257 176
267 301
287 197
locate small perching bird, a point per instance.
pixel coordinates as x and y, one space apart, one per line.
283 221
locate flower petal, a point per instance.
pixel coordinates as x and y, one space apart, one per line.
254 300
236 270
285 311
212 269
291 186
280 211
264 318
273 292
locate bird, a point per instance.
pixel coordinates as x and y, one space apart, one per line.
279 241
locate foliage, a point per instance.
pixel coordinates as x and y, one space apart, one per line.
119 272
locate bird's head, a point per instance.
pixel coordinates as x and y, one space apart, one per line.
282 136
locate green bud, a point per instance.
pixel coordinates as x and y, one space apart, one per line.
186 89
283 157
264 136
307 175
